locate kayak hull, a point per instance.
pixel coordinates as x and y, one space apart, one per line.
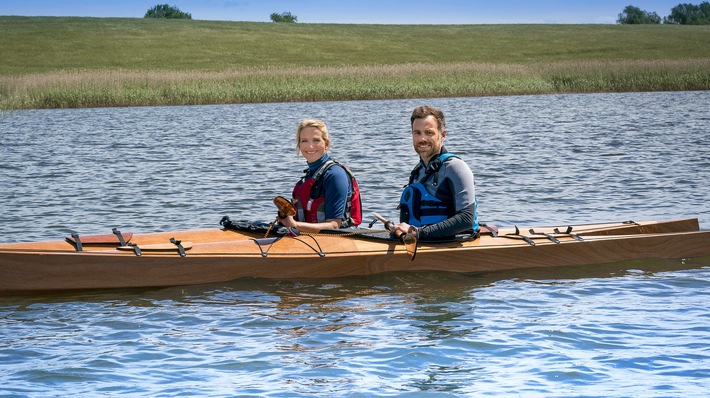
221 255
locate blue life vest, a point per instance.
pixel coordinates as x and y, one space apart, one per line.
419 208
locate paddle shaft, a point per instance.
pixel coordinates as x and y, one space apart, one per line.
389 225
409 240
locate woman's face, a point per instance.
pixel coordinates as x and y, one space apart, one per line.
312 144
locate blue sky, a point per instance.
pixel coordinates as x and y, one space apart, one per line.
356 11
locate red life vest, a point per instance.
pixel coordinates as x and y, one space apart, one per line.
310 204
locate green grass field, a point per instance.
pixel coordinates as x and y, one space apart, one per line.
51 62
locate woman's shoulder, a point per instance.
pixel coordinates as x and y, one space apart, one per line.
336 170
337 176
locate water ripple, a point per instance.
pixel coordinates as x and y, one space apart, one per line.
634 329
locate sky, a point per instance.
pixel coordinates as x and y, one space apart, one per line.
357 11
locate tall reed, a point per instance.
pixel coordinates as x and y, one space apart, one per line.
89 88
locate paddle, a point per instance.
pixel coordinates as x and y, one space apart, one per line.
408 239
285 209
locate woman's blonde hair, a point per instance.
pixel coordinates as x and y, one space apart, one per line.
318 124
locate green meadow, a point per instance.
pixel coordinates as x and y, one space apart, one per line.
57 62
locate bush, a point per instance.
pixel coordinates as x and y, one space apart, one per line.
166 11
635 15
284 17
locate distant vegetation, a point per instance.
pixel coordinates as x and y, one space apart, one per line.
635 15
683 14
689 14
58 62
167 12
284 17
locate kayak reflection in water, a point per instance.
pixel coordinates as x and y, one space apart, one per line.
440 199
327 196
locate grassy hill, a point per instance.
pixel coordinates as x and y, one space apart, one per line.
80 62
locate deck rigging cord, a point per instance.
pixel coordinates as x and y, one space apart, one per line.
409 239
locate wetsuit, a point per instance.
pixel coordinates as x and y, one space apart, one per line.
442 198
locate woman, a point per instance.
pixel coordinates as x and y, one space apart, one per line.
327 197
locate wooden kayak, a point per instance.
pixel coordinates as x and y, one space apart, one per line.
221 254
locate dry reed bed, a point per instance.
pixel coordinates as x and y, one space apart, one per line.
86 88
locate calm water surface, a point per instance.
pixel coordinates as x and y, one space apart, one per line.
633 329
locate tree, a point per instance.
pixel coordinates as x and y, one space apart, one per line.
689 14
284 17
166 11
635 15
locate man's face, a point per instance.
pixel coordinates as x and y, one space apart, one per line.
426 137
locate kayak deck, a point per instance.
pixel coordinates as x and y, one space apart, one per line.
218 255
92 243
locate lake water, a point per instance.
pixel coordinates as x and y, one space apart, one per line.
634 329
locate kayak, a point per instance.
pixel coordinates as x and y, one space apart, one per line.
240 250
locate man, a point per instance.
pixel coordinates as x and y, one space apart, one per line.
440 199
